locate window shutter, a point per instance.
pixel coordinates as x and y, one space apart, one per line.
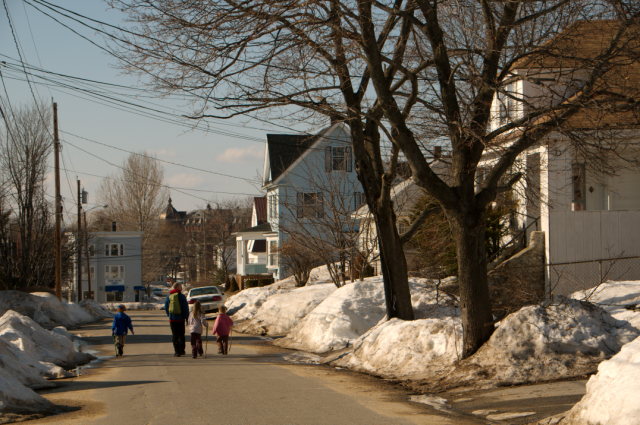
320 205
347 158
300 205
327 158
121 272
106 250
121 250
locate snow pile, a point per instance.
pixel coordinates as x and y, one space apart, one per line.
399 349
135 306
353 309
319 275
280 312
61 330
612 393
46 310
539 343
96 309
15 397
246 303
39 343
620 299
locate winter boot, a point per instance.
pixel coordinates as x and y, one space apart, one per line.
120 350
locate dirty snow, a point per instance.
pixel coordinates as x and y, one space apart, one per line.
280 312
39 343
539 343
508 416
620 299
353 309
15 397
96 309
612 394
135 306
399 349
246 303
437 403
61 330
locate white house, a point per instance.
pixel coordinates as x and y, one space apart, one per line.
591 219
115 267
299 171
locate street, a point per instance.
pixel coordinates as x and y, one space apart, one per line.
148 385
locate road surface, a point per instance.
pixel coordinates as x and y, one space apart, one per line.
249 386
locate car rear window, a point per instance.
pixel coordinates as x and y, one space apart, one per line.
204 291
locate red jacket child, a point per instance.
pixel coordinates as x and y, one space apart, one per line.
222 328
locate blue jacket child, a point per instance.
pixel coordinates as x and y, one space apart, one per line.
119 328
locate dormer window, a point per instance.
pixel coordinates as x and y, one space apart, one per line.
338 158
506 105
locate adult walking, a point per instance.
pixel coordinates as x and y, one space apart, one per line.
177 309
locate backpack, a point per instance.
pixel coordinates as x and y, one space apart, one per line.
174 304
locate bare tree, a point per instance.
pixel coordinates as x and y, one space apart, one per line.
409 72
27 250
136 196
298 259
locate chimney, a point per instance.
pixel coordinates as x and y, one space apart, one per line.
113 226
437 152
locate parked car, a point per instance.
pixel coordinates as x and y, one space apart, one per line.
209 296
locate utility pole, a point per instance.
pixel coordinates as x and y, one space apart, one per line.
79 247
56 150
86 248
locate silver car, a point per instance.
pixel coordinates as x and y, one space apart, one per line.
209 296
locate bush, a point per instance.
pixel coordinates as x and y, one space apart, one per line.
255 283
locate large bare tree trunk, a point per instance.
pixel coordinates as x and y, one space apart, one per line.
475 302
394 267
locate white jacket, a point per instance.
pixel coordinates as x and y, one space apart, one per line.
196 325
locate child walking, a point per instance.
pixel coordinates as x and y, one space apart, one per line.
222 328
119 328
196 322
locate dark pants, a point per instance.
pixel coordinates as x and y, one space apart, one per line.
223 343
196 345
177 330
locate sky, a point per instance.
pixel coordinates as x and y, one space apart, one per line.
48 45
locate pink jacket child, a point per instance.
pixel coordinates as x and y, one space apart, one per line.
222 328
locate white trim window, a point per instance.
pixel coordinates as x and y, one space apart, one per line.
84 272
310 205
273 253
113 272
359 199
338 158
92 250
114 250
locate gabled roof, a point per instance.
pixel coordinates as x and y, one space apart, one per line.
261 228
284 149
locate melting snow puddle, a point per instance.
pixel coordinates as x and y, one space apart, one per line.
437 403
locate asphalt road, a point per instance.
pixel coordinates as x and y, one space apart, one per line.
150 386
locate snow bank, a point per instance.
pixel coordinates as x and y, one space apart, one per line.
353 309
620 299
539 343
96 309
39 343
399 349
612 393
280 312
46 310
61 330
15 397
246 303
135 306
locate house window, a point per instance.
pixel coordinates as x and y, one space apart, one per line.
114 250
402 228
506 105
273 206
84 272
273 253
578 186
114 272
92 250
310 205
338 158
113 297
359 199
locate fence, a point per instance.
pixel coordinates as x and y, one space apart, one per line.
569 277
